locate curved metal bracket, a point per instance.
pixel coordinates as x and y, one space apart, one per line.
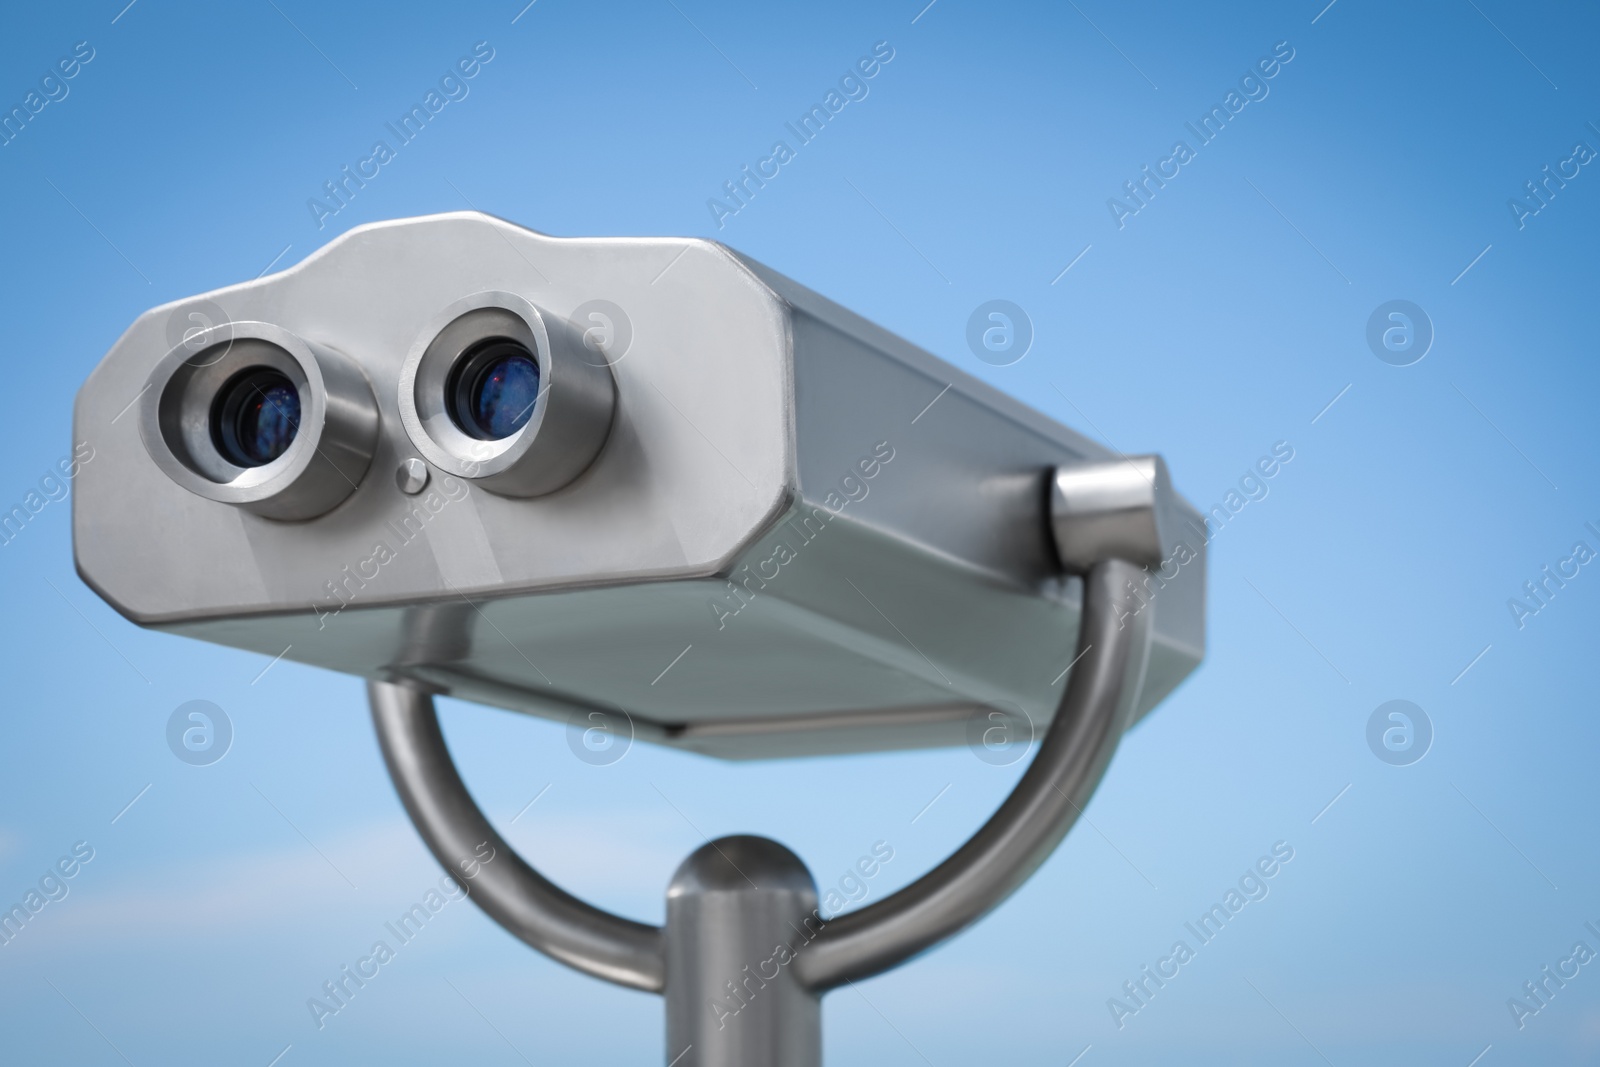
974 879
720 922
1022 832
514 894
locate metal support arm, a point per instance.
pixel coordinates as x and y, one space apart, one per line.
514 894
977 877
724 917
1022 832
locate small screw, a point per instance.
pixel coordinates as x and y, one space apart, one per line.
412 476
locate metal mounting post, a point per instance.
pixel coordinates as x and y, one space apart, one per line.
744 957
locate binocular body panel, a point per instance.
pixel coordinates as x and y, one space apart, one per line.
733 517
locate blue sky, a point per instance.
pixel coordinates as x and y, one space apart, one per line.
1226 315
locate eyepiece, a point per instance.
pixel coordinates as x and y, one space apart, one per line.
251 415
501 393
494 388
255 417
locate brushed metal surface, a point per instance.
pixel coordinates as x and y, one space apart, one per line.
803 534
738 912
1113 509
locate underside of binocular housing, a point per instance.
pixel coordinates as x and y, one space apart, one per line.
648 480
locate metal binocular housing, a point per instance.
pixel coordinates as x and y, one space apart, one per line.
654 481
721 461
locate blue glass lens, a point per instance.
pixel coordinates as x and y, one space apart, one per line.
268 422
501 398
257 418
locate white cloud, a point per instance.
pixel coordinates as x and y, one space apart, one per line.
620 865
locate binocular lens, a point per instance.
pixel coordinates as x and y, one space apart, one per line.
495 389
479 396
255 417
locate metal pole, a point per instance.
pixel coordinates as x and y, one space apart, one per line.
739 911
